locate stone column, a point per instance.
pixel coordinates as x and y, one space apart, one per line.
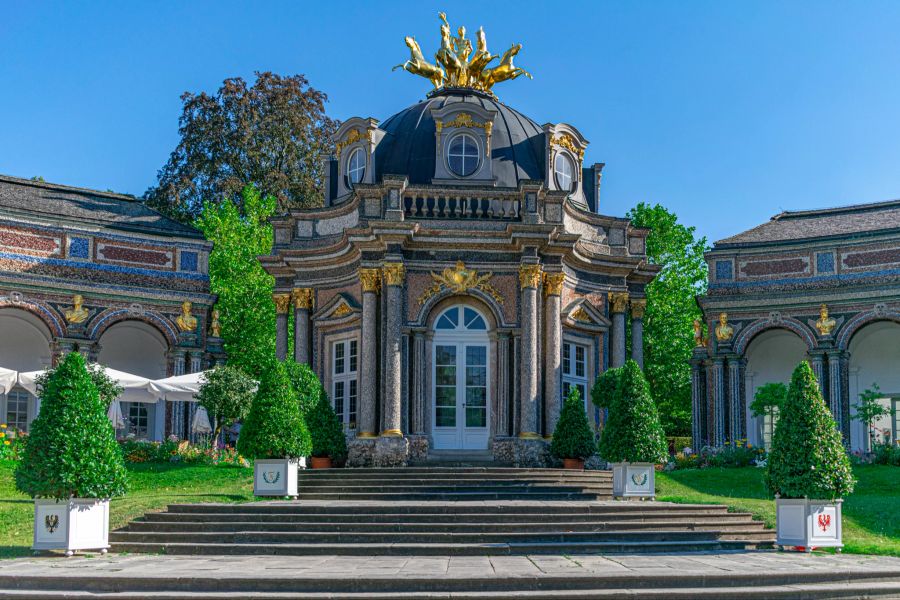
371 285
419 393
835 396
393 279
282 302
736 413
638 306
529 280
501 427
179 367
303 303
618 302
553 283
817 359
717 372
698 404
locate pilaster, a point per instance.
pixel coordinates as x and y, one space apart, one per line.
553 283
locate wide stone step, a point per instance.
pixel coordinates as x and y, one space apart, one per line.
492 486
548 476
454 508
430 470
439 495
434 549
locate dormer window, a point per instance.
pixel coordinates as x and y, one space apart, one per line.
356 167
564 172
463 155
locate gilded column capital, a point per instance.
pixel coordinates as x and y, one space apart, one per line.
394 273
618 302
303 298
553 283
638 306
370 280
282 302
529 276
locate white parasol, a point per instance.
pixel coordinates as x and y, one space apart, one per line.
8 379
134 387
200 424
115 415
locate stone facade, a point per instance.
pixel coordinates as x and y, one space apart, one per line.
530 267
805 283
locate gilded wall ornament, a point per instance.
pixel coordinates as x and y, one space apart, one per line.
215 328
825 324
303 298
529 276
370 280
186 321
724 331
581 315
353 136
394 273
456 65
78 313
618 302
460 280
343 309
638 307
564 140
553 283
699 340
282 302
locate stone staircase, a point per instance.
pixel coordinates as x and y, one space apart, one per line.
448 511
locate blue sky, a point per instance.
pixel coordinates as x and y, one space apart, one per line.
725 111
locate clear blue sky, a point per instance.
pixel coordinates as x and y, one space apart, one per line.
724 111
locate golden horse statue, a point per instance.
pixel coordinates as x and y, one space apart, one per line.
480 59
505 71
447 56
417 65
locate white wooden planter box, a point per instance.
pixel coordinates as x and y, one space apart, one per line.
276 476
808 523
75 524
634 480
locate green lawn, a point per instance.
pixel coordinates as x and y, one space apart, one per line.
870 522
150 487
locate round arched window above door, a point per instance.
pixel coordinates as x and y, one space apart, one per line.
460 318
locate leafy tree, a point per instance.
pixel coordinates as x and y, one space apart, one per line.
807 457
274 428
226 393
633 432
869 410
72 450
671 310
606 387
246 312
573 437
326 431
768 399
306 385
273 134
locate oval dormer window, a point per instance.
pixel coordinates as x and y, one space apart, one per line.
356 167
463 155
564 171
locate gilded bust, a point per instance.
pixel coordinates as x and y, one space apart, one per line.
186 321
78 313
825 324
724 331
215 329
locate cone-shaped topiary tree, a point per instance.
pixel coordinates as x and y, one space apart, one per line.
807 459
274 428
326 431
603 394
306 384
573 437
72 450
633 432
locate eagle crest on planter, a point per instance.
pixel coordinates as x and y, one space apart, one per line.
824 522
51 522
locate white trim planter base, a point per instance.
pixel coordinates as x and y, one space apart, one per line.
808 524
70 525
634 480
276 476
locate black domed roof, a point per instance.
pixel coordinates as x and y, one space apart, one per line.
408 148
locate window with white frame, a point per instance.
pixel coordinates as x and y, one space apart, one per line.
345 380
138 420
17 409
574 369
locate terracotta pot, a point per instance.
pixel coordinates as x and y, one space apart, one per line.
573 463
321 462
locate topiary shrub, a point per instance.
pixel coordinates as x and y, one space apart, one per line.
807 459
305 383
72 450
633 432
274 427
603 394
573 436
326 431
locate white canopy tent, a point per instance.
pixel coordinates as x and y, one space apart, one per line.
180 388
134 387
8 379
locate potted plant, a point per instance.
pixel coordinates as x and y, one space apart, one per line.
633 439
327 434
72 465
274 434
808 469
573 439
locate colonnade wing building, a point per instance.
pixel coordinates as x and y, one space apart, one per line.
101 274
816 285
458 281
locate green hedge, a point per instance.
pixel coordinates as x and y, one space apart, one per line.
573 437
274 428
633 432
326 431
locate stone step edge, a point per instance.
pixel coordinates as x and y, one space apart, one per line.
514 507
468 524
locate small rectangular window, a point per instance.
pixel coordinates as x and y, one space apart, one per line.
345 384
574 369
17 409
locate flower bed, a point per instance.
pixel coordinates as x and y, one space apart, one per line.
741 454
174 450
12 442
